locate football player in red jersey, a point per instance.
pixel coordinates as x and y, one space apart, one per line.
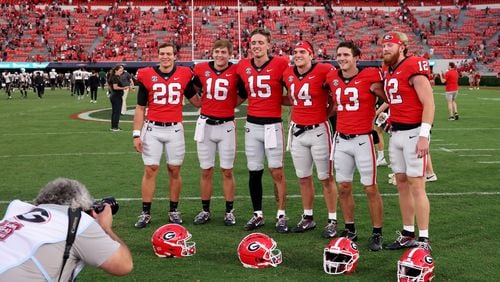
451 80
222 91
411 103
309 135
356 93
262 76
161 90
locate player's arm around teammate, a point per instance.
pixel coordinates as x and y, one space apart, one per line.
159 130
264 139
215 131
355 93
411 103
309 136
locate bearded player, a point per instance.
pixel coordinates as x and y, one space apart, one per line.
161 90
310 135
411 103
356 92
262 76
222 91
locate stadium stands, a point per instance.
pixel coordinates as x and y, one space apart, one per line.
99 31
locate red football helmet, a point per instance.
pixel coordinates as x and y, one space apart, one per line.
171 240
417 265
258 250
340 256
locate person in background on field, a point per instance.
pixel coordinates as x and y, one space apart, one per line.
262 75
126 79
102 78
78 84
382 115
477 80
356 92
116 93
86 75
53 79
93 85
160 130
470 76
24 82
34 237
222 90
411 105
7 79
450 78
39 83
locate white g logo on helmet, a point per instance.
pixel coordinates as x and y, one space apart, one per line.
254 246
169 235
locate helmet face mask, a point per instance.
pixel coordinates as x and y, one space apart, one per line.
416 265
172 240
408 272
340 256
337 263
258 250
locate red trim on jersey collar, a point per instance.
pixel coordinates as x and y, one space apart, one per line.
305 45
391 37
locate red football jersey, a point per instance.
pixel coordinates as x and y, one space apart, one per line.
451 77
166 92
404 104
220 89
354 101
308 93
264 86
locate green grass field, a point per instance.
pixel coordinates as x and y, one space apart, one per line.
40 140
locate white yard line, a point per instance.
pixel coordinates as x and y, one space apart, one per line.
474 155
494 193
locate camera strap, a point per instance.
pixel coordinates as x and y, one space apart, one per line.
74 216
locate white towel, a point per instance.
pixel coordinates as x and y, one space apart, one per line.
289 137
334 143
270 140
199 132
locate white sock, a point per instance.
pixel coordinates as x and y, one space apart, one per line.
332 216
258 213
380 154
423 233
280 213
409 228
308 212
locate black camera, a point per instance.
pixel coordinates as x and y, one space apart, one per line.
99 205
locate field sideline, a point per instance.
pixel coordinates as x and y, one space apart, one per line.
41 139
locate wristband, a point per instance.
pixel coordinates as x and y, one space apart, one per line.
425 130
136 133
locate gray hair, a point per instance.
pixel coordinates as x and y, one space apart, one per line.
67 192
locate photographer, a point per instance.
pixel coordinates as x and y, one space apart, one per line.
34 238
